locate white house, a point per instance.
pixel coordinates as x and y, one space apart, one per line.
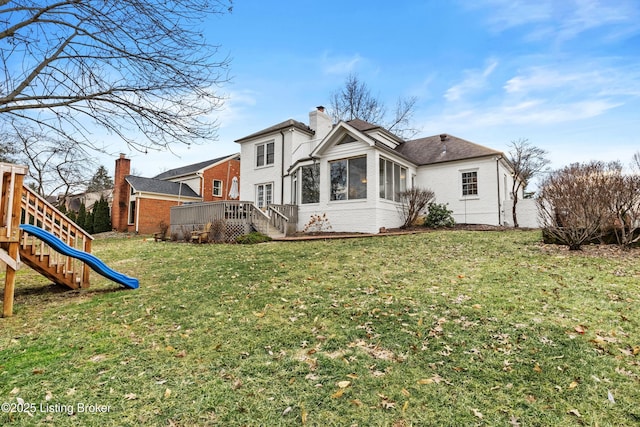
351 173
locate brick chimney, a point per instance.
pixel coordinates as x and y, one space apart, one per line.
120 207
320 122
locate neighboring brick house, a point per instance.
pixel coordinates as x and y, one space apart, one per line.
141 204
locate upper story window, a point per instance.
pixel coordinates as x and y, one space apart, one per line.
470 183
217 188
349 179
265 154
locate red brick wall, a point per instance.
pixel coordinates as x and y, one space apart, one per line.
150 213
225 173
121 190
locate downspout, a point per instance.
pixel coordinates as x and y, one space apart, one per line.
498 186
282 170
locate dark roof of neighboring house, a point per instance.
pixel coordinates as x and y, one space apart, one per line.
280 126
442 148
185 170
158 186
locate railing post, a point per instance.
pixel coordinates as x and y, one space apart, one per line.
13 246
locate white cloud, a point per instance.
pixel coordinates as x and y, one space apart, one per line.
340 64
474 80
553 20
234 107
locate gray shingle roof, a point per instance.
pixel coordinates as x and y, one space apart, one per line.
185 170
158 186
280 126
442 148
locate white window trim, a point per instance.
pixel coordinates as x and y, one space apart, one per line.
349 200
470 196
213 188
255 157
263 184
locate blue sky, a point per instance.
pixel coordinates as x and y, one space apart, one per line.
564 74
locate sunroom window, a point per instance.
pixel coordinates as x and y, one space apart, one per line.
349 179
310 177
393 180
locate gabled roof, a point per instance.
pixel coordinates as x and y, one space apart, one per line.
190 169
278 127
158 186
442 148
367 127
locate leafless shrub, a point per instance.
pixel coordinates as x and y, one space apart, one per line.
573 203
218 231
624 204
317 224
412 204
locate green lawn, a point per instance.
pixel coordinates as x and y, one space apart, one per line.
442 328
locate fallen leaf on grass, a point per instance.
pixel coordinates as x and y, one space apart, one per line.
344 384
338 394
167 393
287 410
573 385
477 413
130 396
580 329
610 397
575 412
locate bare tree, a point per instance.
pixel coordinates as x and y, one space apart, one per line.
55 167
140 69
573 203
412 204
527 161
355 101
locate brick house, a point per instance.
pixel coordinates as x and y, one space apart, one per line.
141 204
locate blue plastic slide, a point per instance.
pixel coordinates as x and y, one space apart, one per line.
95 263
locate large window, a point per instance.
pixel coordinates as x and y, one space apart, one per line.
217 188
392 180
310 183
470 183
264 195
265 154
349 179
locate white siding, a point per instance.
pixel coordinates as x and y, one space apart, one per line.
445 179
527 211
